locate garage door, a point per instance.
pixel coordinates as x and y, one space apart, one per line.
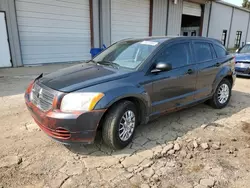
192 9
53 30
129 18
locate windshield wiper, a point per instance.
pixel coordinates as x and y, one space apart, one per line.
109 63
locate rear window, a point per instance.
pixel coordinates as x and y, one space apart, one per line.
203 51
220 51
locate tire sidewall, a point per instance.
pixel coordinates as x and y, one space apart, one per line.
215 97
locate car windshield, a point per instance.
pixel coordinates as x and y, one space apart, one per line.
245 49
127 54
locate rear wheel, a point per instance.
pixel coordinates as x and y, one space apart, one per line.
119 125
222 94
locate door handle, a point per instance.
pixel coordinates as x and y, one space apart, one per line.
217 64
190 71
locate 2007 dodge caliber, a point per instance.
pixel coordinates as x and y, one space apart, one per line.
130 83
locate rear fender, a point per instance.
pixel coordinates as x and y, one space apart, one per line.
224 72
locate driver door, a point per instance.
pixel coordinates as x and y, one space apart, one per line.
174 88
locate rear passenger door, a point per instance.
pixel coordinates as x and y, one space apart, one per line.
207 67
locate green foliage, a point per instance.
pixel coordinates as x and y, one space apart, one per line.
246 4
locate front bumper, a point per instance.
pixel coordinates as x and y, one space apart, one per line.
67 127
242 74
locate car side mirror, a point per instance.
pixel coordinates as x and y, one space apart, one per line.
161 67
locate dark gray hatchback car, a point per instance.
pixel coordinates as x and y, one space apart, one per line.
130 83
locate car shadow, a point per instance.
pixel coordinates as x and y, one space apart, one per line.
168 127
243 77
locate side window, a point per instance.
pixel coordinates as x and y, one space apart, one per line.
224 37
177 55
221 52
202 51
238 39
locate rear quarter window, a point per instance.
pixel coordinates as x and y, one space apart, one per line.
220 51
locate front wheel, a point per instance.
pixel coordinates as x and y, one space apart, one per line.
119 125
222 94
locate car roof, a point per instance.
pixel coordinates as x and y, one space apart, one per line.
162 39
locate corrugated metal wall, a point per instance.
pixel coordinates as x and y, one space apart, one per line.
53 31
248 33
160 8
129 21
220 20
174 18
96 25
206 19
105 22
239 23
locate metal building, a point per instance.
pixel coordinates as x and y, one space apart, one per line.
228 23
52 31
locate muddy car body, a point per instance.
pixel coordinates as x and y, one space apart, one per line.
130 83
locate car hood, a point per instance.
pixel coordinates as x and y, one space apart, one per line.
242 57
81 76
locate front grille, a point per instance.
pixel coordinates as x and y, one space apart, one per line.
41 97
239 70
247 71
242 70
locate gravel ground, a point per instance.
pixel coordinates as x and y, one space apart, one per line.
198 147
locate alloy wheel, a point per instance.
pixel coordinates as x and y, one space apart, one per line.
127 125
223 93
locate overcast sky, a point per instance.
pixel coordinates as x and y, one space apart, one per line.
236 2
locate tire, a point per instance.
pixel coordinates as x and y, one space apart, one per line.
112 128
215 102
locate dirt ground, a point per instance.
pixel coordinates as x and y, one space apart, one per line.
195 148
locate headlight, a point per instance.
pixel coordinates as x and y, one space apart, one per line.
80 101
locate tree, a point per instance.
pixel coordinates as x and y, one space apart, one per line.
246 4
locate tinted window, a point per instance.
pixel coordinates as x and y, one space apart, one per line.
224 37
203 51
221 52
238 39
177 55
245 49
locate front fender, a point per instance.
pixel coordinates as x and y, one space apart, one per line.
125 91
224 72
